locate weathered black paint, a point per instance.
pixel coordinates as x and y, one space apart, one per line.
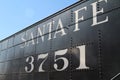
102 46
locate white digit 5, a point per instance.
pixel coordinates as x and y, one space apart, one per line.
30 63
42 56
65 60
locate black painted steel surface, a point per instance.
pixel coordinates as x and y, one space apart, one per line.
72 44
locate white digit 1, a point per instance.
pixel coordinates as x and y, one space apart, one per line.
82 58
65 60
42 56
31 64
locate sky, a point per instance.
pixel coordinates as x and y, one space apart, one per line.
16 15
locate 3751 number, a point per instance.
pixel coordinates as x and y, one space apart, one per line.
82 59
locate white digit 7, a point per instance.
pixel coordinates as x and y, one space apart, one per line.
65 60
31 64
42 56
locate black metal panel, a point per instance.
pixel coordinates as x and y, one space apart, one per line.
43 44
44 27
31 33
16 64
8 77
6 64
19 51
26 77
62 20
109 5
10 53
8 67
22 65
2 68
10 42
15 76
2 77
101 47
85 34
41 76
65 75
19 38
85 75
30 47
0 47
60 41
3 56
4 44
110 41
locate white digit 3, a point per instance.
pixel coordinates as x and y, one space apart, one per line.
30 63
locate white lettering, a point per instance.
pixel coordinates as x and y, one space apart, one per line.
40 33
42 56
82 58
61 27
50 29
65 60
95 12
77 19
32 41
31 59
24 40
